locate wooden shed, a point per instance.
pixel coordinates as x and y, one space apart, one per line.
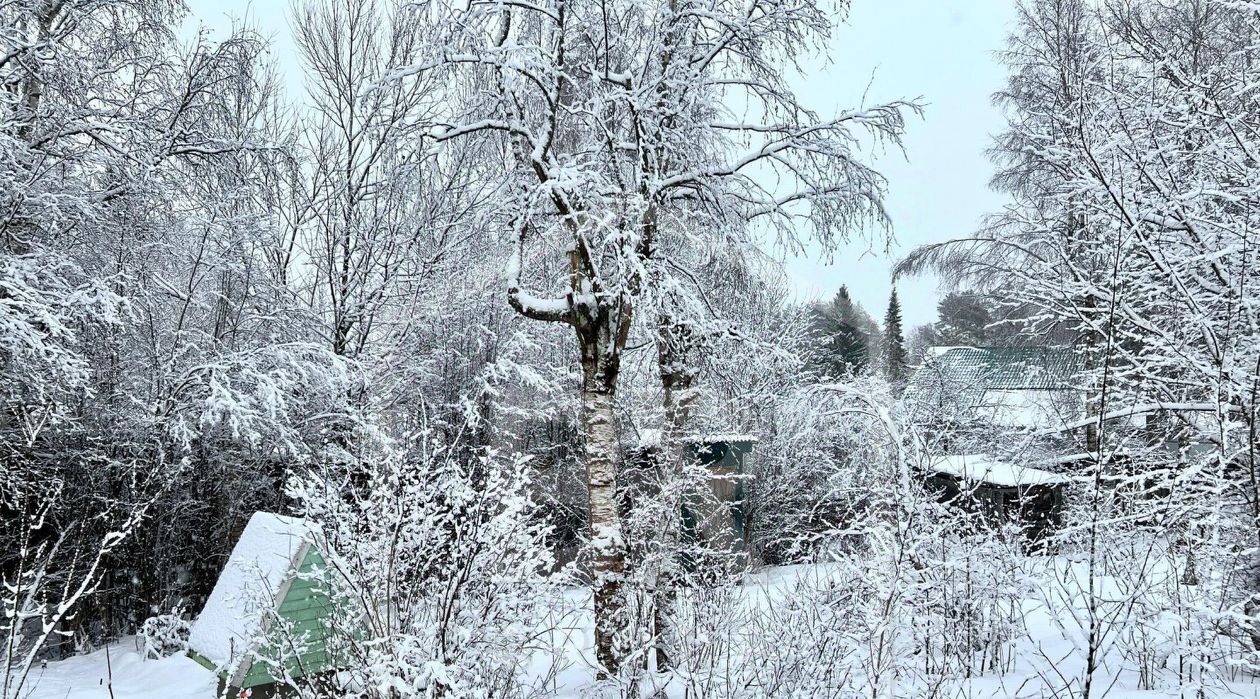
1002 492
267 617
726 458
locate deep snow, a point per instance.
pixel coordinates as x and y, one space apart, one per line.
1049 653
88 676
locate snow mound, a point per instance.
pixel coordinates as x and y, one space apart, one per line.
122 673
262 561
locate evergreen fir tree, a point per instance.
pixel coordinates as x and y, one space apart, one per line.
847 336
848 344
894 355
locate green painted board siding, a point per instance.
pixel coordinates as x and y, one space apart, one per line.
305 611
301 593
723 455
317 612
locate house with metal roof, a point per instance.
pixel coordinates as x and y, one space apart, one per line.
972 398
1016 387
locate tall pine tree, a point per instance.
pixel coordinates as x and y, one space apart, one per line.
894 354
964 319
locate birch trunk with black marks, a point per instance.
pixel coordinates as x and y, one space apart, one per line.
600 138
601 322
597 342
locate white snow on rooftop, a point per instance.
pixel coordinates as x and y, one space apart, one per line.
649 438
728 438
653 437
982 468
261 562
938 350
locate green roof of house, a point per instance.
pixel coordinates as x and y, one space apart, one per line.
1005 368
958 377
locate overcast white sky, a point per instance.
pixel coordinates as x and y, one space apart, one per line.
939 50
942 51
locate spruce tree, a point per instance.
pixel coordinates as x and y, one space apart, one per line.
894 355
848 338
848 343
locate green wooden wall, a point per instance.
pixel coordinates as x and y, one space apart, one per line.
307 611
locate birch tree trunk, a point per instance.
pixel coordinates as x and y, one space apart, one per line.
600 137
603 460
674 342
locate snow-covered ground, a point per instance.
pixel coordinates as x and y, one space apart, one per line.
1047 658
123 674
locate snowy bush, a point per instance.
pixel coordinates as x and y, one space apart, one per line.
820 467
164 634
438 568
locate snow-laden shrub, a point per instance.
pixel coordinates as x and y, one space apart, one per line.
787 632
834 490
164 634
814 472
1147 588
969 582
905 608
894 594
439 571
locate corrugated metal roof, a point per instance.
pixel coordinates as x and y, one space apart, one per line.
1006 368
958 377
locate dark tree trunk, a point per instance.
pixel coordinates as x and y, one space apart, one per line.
674 345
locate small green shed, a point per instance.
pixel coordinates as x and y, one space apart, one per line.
725 456
268 616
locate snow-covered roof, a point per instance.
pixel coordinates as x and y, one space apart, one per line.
263 560
727 438
652 438
981 468
938 350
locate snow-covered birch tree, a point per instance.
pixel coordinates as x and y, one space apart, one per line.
621 124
